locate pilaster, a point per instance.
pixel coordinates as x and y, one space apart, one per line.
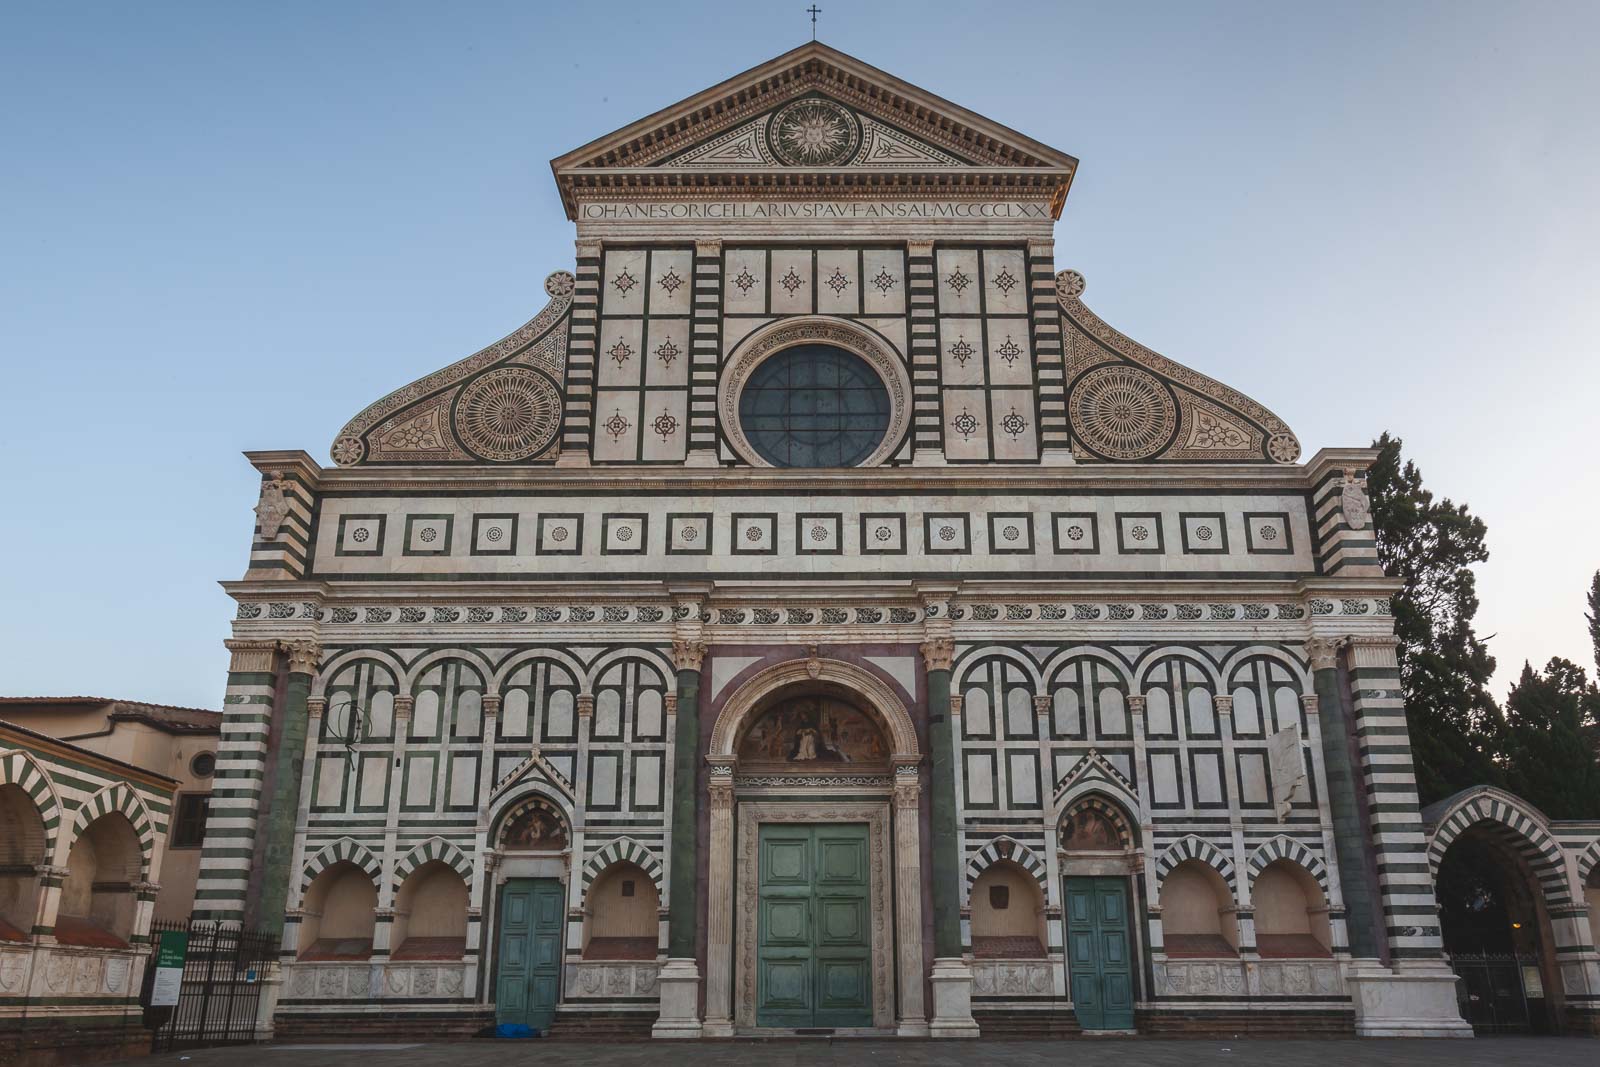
680 977
927 440
1055 446
288 769
577 433
705 354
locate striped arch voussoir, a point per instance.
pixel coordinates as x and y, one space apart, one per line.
1516 827
1587 860
435 848
622 850
23 771
1004 848
1193 848
1286 848
119 798
343 849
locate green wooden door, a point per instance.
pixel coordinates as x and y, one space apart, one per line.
528 972
1099 957
814 933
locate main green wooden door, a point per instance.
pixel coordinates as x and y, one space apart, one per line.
1099 958
528 972
814 929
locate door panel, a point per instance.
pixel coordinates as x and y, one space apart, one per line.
814 941
1099 953
528 971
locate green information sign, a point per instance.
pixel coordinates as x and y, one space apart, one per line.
171 951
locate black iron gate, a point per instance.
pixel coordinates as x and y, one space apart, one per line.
220 996
1500 992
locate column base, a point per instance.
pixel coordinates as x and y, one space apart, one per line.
1057 457
717 1028
1407 1000
572 459
701 457
952 999
680 1000
928 457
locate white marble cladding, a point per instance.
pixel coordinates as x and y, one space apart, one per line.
746 534
609 979
376 981
61 974
1248 978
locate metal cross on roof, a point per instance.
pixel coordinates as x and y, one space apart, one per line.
814 11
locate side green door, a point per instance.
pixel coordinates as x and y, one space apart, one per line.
1099 956
528 974
814 930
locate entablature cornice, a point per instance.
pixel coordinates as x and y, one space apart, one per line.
996 478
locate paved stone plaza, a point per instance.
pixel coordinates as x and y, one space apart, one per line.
1105 1052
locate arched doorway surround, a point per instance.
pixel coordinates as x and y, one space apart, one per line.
1513 924
745 801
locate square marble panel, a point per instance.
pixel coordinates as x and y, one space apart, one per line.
1139 533
957 282
792 285
754 534
360 535
1268 533
947 533
883 533
819 533
428 535
666 352
624 535
1204 533
616 424
1010 532
623 279
620 357
1005 281
671 290
1010 352
559 535
966 424
883 282
689 534
666 424
961 351
838 282
494 535
1076 532
744 280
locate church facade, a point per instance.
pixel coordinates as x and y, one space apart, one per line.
816 618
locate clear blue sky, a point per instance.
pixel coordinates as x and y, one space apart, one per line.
232 226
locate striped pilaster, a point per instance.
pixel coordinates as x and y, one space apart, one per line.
224 875
705 353
1341 548
1049 370
1399 842
286 552
927 439
277 847
577 434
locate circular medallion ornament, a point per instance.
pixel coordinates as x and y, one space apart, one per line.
1283 448
508 414
1122 412
1069 284
560 284
347 451
814 133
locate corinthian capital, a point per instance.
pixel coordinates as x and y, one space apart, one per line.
1324 654
938 653
303 656
687 655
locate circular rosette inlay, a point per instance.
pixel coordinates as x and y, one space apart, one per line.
1122 412
508 414
814 133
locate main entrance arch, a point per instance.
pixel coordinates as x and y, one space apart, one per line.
807 758
1497 876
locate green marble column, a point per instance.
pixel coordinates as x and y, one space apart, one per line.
1343 801
682 910
937 654
277 830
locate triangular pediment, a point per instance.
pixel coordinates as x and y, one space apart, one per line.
812 114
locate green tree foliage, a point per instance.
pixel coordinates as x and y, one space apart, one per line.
1594 620
1549 755
1431 545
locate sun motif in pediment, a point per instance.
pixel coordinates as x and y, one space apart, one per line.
814 133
